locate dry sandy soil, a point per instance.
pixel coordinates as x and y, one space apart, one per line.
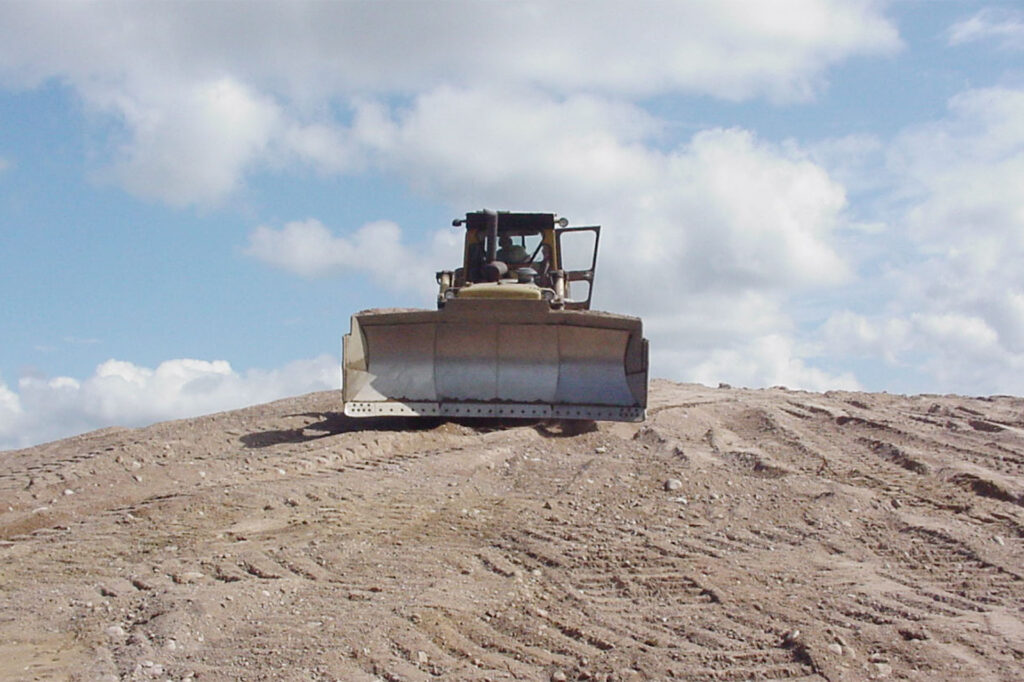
737 534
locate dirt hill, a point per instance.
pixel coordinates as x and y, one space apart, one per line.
737 534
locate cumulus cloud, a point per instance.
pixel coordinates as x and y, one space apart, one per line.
706 240
11 411
194 142
544 112
464 143
745 340
190 144
951 280
962 177
202 99
723 210
726 48
307 248
1002 26
851 334
769 360
125 394
942 351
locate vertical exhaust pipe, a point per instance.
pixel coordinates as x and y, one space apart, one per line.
492 235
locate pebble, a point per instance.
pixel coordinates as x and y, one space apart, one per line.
187 577
836 649
558 676
141 584
69 491
115 631
673 484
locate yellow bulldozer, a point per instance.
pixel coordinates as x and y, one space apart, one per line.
513 335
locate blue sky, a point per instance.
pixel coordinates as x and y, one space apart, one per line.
194 197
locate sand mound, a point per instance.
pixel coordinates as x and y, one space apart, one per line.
737 534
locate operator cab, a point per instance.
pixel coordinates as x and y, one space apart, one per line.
499 244
517 255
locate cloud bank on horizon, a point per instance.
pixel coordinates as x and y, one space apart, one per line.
776 210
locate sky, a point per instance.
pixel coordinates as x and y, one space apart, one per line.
195 197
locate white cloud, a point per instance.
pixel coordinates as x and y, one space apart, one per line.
850 334
124 394
744 338
770 360
958 333
726 48
962 178
463 142
307 248
11 412
541 112
80 341
195 142
723 211
327 148
854 161
191 143
948 271
1006 27
706 240
942 351
204 99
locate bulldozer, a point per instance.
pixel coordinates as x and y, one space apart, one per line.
513 336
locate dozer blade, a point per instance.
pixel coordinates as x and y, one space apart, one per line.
487 358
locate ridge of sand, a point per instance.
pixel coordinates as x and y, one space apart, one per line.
737 534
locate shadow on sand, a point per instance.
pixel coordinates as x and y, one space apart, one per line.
334 423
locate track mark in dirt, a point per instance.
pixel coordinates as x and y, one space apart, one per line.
738 534
644 594
987 487
950 572
893 454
